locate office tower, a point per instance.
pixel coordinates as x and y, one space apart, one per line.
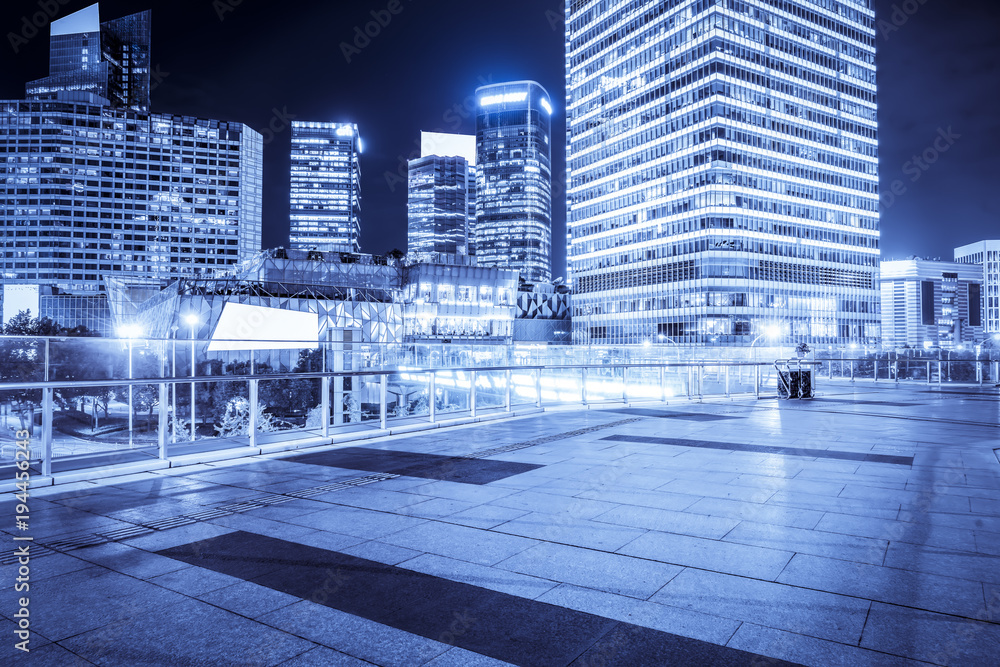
442 195
722 171
514 193
326 187
931 304
987 255
103 190
88 58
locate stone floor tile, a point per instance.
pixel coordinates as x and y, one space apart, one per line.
809 650
621 575
931 637
802 611
492 578
711 555
460 542
653 615
355 636
872 582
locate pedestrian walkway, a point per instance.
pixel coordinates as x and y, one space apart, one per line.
860 528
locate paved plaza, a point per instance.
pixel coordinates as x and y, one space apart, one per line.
861 528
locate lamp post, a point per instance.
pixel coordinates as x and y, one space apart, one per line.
130 332
192 321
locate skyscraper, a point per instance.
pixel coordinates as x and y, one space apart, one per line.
108 60
987 255
93 189
514 194
325 187
441 205
931 303
723 171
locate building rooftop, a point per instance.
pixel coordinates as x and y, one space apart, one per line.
859 528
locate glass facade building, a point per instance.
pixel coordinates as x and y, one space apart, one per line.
92 186
987 255
722 171
108 60
93 190
931 304
514 193
325 199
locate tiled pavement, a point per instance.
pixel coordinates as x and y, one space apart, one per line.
860 528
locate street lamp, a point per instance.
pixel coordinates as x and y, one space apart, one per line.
192 321
130 332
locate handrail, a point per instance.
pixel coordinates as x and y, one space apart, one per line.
318 375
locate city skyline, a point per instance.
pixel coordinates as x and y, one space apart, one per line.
932 54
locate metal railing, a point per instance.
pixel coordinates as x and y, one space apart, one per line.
90 424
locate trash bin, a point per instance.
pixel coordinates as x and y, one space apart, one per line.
796 383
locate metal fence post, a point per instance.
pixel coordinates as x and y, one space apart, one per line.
940 374
928 372
472 393
583 385
162 418
382 391
507 393
432 402
254 402
47 431
625 385
538 387
876 370
325 400
663 384
727 381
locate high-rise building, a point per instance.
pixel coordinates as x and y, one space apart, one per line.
722 171
325 187
442 195
987 255
108 60
931 303
514 193
92 189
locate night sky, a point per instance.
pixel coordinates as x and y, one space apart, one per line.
262 63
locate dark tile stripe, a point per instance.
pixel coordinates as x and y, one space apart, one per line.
499 625
768 449
414 464
668 414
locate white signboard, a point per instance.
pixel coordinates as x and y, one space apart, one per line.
245 327
17 298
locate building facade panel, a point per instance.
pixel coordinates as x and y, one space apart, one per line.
722 171
325 198
92 190
514 193
931 304
986 254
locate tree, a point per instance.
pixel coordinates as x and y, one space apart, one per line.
23 359
236 419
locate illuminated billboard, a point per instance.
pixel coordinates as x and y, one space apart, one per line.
442 144
245 327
